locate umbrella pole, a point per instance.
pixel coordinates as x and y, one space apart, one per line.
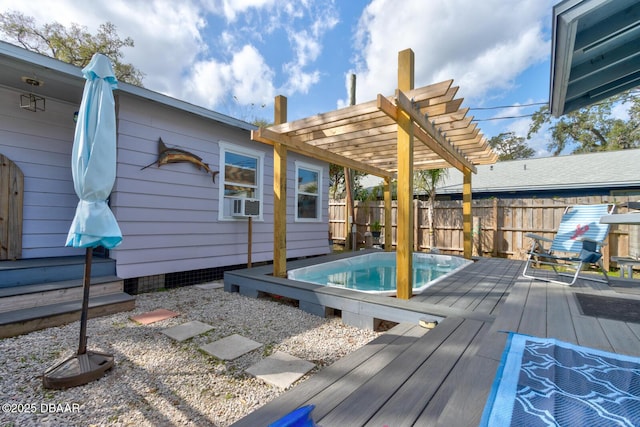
82 347
85 366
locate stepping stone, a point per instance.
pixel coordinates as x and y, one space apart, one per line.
280 369
211 285
154 316
187 330
231 347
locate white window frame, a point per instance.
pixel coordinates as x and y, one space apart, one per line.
226 147
312 168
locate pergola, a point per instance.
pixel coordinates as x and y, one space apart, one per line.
378 137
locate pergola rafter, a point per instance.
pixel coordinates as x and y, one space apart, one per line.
367 137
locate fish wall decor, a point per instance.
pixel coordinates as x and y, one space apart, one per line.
168 155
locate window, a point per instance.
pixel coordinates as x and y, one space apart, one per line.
308 192
241 177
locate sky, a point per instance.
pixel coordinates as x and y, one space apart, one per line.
235 56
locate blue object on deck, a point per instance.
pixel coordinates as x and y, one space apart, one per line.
301 417
543 381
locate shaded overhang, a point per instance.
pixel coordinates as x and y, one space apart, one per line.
364 136
595 52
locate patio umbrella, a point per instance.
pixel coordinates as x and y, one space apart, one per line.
93 166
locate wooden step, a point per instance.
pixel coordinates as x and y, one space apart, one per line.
27 296
26 320
43 270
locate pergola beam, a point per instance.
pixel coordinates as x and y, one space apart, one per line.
392 111
344 115
433 134
267 136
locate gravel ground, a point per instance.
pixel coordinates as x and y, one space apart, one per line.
157 381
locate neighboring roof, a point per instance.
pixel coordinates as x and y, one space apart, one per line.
595 52
607 169
65 82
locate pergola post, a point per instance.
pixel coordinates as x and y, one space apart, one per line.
280 194
466 213
404 232
388 225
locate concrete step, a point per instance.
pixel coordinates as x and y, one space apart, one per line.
26 320
43 270
27 296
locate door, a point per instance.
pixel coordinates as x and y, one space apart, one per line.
11 197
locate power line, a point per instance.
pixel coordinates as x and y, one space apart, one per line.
502 118
509 106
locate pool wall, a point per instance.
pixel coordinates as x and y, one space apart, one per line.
342 268
357 308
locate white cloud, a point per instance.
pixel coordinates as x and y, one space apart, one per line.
483 45
244 80
252 77
306 45
230 9
166 33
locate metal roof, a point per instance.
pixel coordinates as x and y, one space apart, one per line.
65 82
608 169
595 52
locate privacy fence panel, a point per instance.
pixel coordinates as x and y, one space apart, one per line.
500 225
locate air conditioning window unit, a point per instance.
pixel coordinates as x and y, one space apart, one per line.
246 207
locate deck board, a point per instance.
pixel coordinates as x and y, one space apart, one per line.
406 405
379 388
621 338
534 316
409 376
399 336
352 384
559 314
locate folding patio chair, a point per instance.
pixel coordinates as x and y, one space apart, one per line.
577 243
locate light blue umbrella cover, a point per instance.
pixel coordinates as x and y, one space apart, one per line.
93 159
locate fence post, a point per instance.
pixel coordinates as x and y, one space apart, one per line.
416 225
477 236
495 227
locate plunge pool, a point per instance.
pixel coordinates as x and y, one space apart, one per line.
376 272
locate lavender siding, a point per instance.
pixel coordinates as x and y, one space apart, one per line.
40 144
169 215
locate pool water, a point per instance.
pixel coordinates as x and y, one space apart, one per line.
376 272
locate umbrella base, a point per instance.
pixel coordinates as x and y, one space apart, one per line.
78 370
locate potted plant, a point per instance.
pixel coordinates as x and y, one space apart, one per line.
375 229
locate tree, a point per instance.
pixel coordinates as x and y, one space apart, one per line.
508 146
377 192
337 183
593 128
74 45
427 181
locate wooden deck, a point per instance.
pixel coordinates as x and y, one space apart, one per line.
442 377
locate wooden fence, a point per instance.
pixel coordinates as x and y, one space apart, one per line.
500 225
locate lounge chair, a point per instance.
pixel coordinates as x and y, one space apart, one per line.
576 244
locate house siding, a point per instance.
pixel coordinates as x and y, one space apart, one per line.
40 145
169 215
